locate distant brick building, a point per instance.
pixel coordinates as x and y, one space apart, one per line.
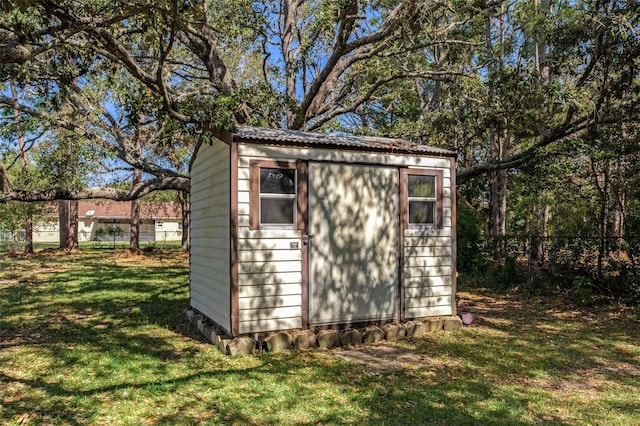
110 220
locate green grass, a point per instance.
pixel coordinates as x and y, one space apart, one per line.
98 337
18 247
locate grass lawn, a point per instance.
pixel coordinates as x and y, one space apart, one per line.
98 337
6 246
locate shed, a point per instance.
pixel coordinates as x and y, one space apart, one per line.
297 230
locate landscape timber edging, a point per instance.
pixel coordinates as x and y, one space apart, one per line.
323 339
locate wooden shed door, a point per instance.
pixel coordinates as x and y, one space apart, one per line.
353 259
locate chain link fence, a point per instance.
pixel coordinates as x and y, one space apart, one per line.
110 238
578 264
11 240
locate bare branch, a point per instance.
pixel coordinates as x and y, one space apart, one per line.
122 150
335 112
336 64
137 191
562 132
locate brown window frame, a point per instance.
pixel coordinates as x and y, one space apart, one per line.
254 193
404 197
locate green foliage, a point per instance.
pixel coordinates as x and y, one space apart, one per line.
577 269
106 232
503 274
13 216
451 74
582 289
471 241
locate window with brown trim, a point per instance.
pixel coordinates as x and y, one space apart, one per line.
273 198
421 198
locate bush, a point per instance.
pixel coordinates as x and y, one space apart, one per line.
108 231
472 244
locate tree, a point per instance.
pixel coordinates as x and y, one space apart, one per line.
516 77
533 79
189 67
24 162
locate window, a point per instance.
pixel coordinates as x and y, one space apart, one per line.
273 194
422 197
277 196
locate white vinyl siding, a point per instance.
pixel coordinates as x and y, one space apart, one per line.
427 269
269 283
210 254
49 232
269 270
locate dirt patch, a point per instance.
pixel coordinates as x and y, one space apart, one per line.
129 254
148 253
382 359
18 337
492 309
45 270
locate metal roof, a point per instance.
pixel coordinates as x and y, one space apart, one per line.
122 209
329 140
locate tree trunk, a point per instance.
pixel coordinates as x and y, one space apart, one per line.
28 231
63 223
68 223
288 27
603 216
72 242
498 188
72 211
541 7
4 179
494 207
541 233
498 179
617 220
134 234
185 208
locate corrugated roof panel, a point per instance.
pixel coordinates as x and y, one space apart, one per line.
300 138
122 209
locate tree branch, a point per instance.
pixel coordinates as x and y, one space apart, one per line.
368 94
324 82
518 159
137 191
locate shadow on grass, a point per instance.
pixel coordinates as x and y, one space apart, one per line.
544 335
103 342
348 395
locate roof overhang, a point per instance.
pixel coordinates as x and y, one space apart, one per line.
297 138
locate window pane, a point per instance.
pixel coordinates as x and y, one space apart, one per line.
422 212
277 181
422 186
277 211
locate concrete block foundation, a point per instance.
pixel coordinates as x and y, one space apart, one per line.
323 339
